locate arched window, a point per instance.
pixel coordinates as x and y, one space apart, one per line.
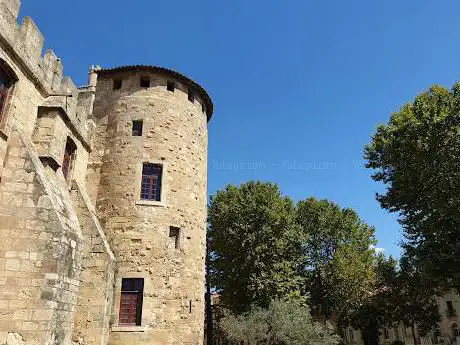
69 158
454 329
7 80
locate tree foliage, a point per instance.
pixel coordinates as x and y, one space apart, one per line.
417 156
282 323
256 252
413 298
339 258
401 294
264 247
376 311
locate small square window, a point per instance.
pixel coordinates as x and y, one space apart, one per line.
131 299
151 182
191 96
174 238
145 81
137 128
117 84
170 86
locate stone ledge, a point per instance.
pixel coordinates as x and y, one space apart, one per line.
128 329
150 203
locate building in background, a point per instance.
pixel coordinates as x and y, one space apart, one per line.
102 199
446 333
212 333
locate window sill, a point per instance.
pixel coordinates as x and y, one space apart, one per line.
150 203
3 134
128 329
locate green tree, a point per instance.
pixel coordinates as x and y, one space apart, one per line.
282 323
413 299
339 258
417 156
401 295
377 309
256 253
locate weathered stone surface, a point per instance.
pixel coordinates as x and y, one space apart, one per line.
14 339
174 135
95 296
67 242
41 254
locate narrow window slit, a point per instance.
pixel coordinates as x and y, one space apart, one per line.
117 84
170 86
69 159
191 96
137 128
174 237
6 84
145 81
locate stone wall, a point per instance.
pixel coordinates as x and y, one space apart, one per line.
59 280
174 135
40 82
39 252
42 243
95 296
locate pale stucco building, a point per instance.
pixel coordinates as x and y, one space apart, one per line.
102 199
446 333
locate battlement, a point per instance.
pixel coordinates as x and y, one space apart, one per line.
13 6
26 42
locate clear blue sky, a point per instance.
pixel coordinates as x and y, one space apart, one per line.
298 86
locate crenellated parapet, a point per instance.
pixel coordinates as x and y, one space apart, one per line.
24 42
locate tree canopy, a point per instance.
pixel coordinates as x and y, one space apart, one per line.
413 298
256 252
339 257
417 156
401 294
264 247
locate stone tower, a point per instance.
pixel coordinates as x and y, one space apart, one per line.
102 199
147 179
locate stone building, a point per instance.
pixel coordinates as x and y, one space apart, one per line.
102 199
446 333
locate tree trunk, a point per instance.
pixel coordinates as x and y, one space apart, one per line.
370 334
412 327
209 316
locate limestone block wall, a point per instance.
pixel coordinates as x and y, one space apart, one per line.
39 81
95 296
175 136
50 134
39 252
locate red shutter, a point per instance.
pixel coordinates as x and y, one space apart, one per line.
128 306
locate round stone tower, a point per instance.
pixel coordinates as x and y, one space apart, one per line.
147 178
